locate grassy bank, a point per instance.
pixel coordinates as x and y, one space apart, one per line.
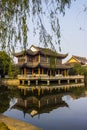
3 126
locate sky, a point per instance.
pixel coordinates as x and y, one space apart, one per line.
73 30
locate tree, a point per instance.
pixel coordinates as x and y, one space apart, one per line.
78 69
15 16
15 71
7 66
5 62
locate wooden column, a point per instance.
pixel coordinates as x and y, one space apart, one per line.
55 99
22 71
58 72
47 59
25 103
47 72
76 81
42 91
42 71
24 91
32 72
22 82
39 58
39 104
48 82
82 80
39 91
36 82
50 73
65 73
68 81
28 82
59 81
25 71
25 59
47 101
32 89
39 71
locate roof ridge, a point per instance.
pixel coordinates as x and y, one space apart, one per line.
79 57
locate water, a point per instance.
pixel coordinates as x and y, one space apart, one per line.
54 111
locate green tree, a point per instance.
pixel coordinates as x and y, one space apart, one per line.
5 62
15 71
78 69
15 16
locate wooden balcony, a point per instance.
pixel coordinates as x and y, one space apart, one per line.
59 79
45 76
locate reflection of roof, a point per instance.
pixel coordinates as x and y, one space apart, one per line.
34 110
44 65
42 51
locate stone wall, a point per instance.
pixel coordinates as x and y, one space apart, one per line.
13 82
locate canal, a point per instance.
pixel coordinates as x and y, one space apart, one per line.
55 110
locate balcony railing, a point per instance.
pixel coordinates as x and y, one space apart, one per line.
45 76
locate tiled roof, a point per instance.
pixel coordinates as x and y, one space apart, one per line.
82 60
58 66
43 51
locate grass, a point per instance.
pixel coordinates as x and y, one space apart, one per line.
3 126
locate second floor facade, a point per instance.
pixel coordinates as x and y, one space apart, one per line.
36 55
39 59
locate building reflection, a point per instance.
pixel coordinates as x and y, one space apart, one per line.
29 101
35 105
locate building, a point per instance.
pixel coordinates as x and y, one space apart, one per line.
77 59
41 61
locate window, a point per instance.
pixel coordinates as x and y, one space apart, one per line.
21 59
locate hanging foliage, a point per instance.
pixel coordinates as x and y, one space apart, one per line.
15 16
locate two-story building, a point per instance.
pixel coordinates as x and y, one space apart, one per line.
41 61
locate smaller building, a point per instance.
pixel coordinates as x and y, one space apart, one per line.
77 59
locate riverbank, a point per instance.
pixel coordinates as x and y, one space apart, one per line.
14 124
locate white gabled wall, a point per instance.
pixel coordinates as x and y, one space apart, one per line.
33 48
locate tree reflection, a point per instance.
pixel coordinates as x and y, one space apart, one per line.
4 99
6 95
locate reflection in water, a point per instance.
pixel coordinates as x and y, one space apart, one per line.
4 99
34 105
61 110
